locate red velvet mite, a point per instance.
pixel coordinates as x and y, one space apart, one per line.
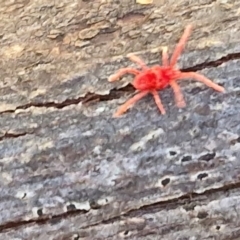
150 79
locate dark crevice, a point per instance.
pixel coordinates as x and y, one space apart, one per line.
12 135
172 203
87 99
184 200
207 157
186 158
42 220
202 215
165 182
201 176
117 93
180 201
216 63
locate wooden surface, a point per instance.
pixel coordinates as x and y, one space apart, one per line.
71 171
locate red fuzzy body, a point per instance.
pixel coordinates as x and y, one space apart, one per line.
155 78
149 80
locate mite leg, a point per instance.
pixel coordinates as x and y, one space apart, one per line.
180 46
158 101
202 79
165 58
121 72
137 60
123 108
179 99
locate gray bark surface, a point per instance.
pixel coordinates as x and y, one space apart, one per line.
68 170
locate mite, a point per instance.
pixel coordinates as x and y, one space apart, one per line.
152 79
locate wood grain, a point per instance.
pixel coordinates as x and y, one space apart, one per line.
71 171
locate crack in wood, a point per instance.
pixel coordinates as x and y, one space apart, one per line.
40 221
216 63
116 93
13 135
173 203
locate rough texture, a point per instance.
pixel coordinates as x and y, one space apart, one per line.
70 171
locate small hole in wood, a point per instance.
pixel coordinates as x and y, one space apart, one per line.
24 195
218 227
186 158
71 207
202 175
172 153
207 157
202 215
40 212
94 204
165 181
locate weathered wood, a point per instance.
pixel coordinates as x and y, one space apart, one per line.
70 171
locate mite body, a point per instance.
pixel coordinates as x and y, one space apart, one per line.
151 79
